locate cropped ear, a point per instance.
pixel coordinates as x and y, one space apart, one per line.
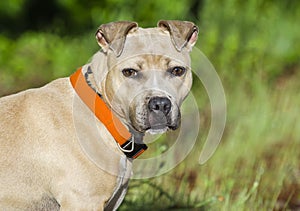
113 35
182 33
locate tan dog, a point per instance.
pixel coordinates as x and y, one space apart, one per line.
57 155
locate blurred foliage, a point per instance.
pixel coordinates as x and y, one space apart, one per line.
254 46
244 37
76 16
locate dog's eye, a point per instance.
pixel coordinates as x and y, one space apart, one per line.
177 71
129 72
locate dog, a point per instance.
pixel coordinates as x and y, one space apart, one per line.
70 144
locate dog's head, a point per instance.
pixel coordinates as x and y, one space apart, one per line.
148 72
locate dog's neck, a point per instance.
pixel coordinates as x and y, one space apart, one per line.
129 142
90 80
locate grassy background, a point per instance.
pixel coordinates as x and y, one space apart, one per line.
254 46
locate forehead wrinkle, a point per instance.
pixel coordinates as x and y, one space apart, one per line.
150 40
140 65
156 62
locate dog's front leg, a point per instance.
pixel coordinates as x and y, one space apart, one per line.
82 196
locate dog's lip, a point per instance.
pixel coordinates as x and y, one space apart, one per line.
157 131
158 127
173 127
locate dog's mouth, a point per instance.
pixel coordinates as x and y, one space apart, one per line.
156 129
160 129
159 123
156 116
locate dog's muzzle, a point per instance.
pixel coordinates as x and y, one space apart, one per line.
158 110
154 114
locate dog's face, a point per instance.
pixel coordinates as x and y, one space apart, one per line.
148 80
148 91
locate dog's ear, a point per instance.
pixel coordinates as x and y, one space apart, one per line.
183 33
113 35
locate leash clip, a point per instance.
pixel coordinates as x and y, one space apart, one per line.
132 149
124 146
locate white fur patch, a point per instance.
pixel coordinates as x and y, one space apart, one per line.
157 131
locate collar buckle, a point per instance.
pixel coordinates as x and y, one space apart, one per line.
132 149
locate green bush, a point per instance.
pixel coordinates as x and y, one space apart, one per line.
36 58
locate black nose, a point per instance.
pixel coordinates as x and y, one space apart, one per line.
162 104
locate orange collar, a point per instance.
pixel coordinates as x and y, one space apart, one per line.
116 128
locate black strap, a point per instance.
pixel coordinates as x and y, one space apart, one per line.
136 148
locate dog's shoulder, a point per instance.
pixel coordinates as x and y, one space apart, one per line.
58 88
53 98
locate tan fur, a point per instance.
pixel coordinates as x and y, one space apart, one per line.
43 163
40 159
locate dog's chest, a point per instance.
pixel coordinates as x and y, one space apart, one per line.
125 170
